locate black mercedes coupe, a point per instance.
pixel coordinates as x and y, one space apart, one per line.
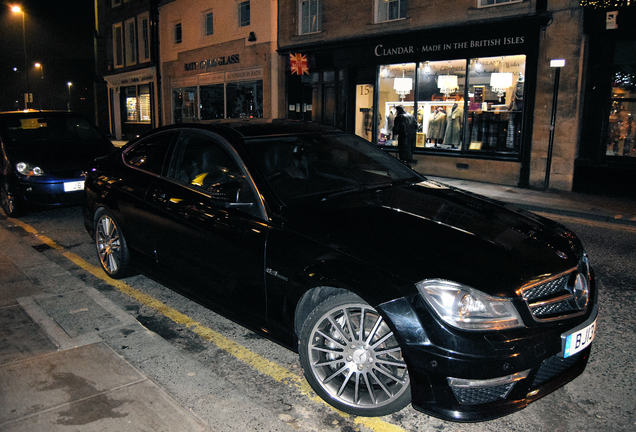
392 288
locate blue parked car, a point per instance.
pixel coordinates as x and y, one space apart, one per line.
43 158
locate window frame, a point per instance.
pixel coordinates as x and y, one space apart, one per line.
177 41
145 141
480 4
376 12
143 39
130 42
318 16
206 14
120 45
241 20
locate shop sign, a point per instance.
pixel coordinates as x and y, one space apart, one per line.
385 50
298 64
243 75
212 63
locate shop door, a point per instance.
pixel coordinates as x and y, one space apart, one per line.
364 111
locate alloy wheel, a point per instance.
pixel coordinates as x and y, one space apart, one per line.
108 242
356 359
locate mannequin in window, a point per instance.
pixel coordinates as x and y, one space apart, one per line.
437 125
453 133
405 127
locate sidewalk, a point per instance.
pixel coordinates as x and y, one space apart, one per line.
56 372
593 207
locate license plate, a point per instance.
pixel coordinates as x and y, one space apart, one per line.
74 186
579 340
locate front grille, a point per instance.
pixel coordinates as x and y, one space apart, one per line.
481 395
553 298
553 367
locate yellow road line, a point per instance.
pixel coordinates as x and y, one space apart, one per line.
256 361
593 223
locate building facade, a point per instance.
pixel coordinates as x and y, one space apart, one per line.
128 42
218 59
475 74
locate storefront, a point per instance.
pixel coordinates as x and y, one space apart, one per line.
132 102
469 88
223 81
607 161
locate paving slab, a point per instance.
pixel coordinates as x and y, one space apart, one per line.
39 383
20 336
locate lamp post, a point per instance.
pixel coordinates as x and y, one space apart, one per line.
557 64
40 66
68 104
17 9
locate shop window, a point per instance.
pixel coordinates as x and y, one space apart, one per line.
118 45
309 16
244 99
144 37
131 42
144 104
184 103
244 13
488 3
208 24
137 104
389 10
396 89
131 104
440 105
495 105
177 33
212 102
621 132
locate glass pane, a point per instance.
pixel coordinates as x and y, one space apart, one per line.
621 128
212 102
244 13
245 99
495 108
209 24
119 43
144 103
131 49
146 42
131 104
177 33
364 111
396 89
440 105
184 104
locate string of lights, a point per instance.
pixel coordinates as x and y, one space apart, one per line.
606 4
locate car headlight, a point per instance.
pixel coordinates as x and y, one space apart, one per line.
466 308
29 170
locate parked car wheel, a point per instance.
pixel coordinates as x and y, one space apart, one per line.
111 246
352 359
10 202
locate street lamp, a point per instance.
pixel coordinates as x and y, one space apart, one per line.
68 104
17 9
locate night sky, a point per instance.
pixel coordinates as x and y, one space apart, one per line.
59 35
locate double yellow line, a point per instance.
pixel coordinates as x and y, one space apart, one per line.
264 366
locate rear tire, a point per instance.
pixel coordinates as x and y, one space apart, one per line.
10 202
110 244
352 359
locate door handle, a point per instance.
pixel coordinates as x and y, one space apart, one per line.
159 196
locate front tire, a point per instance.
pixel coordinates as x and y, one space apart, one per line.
111 246
352 359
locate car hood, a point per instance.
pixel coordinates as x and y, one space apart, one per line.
58 158
428 230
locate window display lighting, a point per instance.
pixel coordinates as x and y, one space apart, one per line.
500 82
447 84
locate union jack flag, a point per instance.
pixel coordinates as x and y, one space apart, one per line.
298 64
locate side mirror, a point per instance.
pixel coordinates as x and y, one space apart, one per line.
229 193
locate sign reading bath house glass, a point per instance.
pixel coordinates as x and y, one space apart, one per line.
206 64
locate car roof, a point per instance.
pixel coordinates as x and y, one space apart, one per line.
253 128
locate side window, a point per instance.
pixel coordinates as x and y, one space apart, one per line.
205 165
150 153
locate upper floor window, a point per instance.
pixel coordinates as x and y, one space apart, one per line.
177 33
144 37
389 10
208 23
118 45
244 13
131 42
487 3
309 16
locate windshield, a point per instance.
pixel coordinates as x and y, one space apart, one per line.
325 165
63 131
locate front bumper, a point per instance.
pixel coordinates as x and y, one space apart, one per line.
438 356
48 191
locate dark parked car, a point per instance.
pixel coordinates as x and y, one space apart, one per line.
393 288
44 156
